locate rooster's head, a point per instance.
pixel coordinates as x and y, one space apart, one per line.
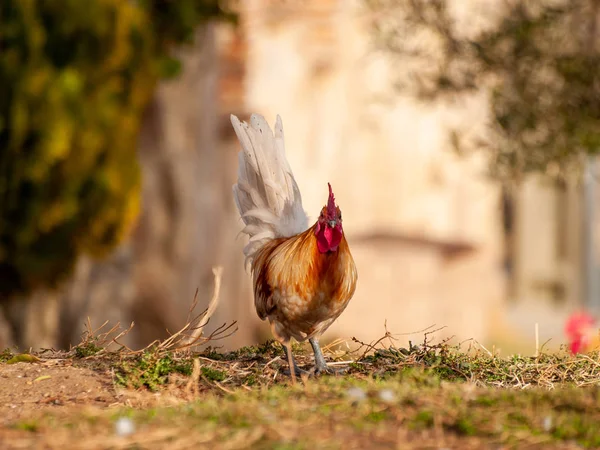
328 229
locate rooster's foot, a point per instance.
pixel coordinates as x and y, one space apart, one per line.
297 370
320 370
320 364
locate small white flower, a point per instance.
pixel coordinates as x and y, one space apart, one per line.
547 423
356 394
387 395
124 426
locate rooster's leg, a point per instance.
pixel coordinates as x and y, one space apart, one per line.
292 362
320 364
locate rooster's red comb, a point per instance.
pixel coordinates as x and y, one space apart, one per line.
331 203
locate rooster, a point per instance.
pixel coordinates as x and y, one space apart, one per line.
582 332
303 277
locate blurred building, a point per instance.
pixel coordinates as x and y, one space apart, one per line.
423 225
548 245
436 243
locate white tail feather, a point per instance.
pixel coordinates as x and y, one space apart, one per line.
266 193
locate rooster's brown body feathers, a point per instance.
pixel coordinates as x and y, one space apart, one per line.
300 290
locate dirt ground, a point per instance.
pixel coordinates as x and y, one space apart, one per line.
50 404
27 389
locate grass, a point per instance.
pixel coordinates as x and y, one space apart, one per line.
5 355
425 409
86 349
427 396
150 370
425 364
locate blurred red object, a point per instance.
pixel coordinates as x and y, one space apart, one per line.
582 331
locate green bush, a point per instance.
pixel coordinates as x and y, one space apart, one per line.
75 77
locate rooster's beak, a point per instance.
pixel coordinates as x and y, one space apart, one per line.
332 223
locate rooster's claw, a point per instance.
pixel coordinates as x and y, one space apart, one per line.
330 370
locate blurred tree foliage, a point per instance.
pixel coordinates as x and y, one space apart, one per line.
537 61
75 76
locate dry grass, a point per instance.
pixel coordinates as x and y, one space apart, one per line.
428 396
422 398
434 395
416 410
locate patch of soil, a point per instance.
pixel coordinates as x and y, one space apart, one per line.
27 389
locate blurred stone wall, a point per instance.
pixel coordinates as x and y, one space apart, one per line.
424 226
169 254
